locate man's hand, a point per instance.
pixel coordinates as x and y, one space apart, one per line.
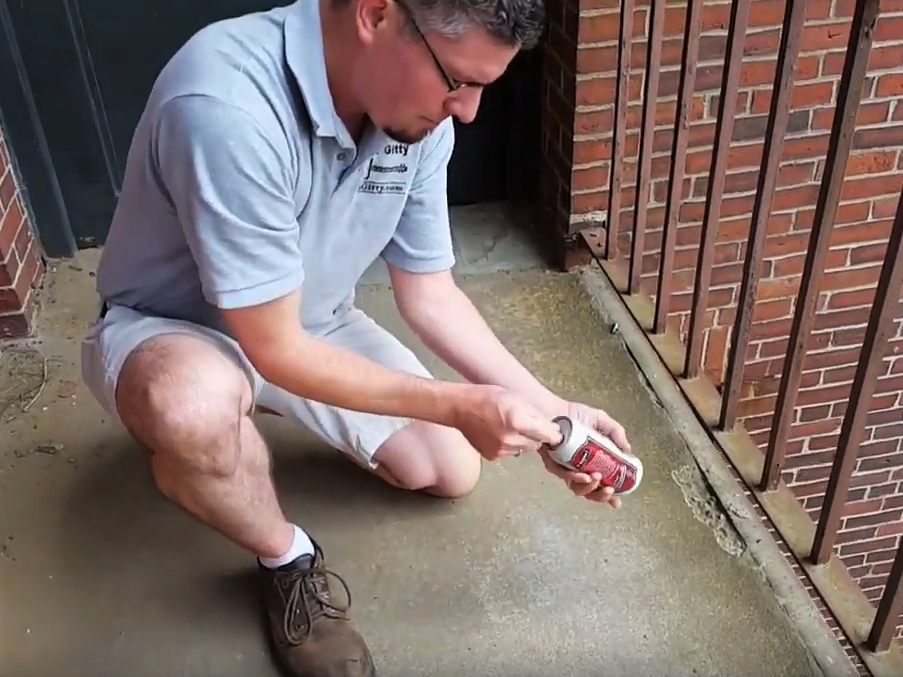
499 423
583 484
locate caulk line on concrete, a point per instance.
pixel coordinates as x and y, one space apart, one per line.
795 601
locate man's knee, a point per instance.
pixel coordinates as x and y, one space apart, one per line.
185 401
458 480
430 458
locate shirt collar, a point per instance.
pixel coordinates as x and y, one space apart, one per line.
305 57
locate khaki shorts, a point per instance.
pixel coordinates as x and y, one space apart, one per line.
111 339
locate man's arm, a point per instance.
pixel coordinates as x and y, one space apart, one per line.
271 336
419 260
231 186
448 324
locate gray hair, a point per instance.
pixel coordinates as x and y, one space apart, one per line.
517 23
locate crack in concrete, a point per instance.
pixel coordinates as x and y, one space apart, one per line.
707 509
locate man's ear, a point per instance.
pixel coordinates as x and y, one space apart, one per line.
371 16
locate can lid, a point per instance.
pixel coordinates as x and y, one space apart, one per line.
566 427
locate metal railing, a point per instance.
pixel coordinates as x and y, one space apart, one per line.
817 551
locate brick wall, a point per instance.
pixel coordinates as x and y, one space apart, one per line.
21 265
580 65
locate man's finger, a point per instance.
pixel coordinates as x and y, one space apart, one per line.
569 476
603 494
515 444
619 436
540 430
586 488
615 431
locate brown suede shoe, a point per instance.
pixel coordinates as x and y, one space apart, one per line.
312 635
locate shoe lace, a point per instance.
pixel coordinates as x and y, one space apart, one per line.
309 599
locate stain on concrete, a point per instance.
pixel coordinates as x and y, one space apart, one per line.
707 509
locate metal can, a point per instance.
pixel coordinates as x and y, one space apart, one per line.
583 449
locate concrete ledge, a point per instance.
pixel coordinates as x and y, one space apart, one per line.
826 651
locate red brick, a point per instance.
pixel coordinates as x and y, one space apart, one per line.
793 265
762 42
851 299
810 94
872 186
885 208
14 326
825 36
890 84
713 17
739 157
808 67
607 27
590 178
818 9
865 231
601 91
869 253
882 137
7 190
8 270
888 29
603 59
855 277
875 162
9 228
880 58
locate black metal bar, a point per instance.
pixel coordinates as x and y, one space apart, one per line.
644 175
619 135
794 18
881 324
890 607
724 130
692 30
848 98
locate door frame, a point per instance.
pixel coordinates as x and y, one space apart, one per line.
27 147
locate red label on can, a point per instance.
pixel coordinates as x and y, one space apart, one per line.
587 452
593 457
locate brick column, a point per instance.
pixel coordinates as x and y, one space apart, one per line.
21 264
581 51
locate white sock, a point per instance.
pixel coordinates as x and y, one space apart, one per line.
301 545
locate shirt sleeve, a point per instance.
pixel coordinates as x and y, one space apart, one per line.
422 241
230 185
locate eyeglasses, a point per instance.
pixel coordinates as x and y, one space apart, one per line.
452 84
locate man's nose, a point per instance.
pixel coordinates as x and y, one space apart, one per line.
464 104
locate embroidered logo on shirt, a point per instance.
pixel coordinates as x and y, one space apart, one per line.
383 188
379 179
396 149
374 168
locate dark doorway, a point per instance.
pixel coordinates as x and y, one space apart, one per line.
77 74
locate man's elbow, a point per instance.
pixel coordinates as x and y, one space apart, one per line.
266 333
266 358
422 297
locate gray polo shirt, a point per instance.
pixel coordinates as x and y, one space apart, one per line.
242 184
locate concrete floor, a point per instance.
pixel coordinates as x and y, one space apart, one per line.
100 576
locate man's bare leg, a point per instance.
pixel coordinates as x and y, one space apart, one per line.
431 458
423 457
188 403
